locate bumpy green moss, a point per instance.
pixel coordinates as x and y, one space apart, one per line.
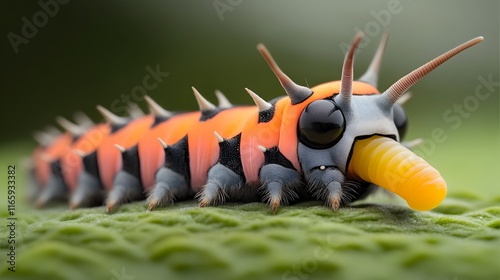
370 240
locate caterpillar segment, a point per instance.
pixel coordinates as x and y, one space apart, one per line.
140 163
225 178
104 162
132 181
88 142
83 169
45 139
173 175
39 167
51 158
164 168
335 141
48 167
49 170
205 151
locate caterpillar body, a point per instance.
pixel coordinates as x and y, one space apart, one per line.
334 142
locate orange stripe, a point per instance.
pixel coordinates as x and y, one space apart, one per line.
42 168
72 164
56 150
254 134
109 158
151 153
203 147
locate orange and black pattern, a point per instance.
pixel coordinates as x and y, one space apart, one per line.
278 151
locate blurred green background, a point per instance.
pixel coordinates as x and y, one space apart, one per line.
93 52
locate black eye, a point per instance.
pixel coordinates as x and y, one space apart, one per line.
321 124
400 120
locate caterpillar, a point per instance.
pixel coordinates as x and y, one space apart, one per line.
335 142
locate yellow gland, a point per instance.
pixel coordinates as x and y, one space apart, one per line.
388 164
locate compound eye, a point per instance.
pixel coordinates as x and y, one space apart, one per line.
400 120
321 124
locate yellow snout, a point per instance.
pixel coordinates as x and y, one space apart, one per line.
388 164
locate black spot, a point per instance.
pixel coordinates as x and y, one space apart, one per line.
177 158
131 162
267 115
159 120
206 115
274 156
56 169
229 155
90 165
117 127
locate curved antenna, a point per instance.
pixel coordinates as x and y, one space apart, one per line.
223 101
110 117
204 104
296 92
347 72
394 92
156 109
371 74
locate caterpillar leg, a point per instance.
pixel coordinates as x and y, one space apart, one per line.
279 185
89 190
169 185
225 178
126 188
222 183
88 193
280 181
56 189
172 179
126 185
34 187
326 184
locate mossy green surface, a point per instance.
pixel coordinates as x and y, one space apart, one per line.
97 52
376 239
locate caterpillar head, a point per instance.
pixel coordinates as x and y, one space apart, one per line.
347 127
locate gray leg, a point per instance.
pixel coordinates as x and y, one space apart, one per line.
34 187
88 193
169 185
126 188
222 183
279 184
55 190
326 184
